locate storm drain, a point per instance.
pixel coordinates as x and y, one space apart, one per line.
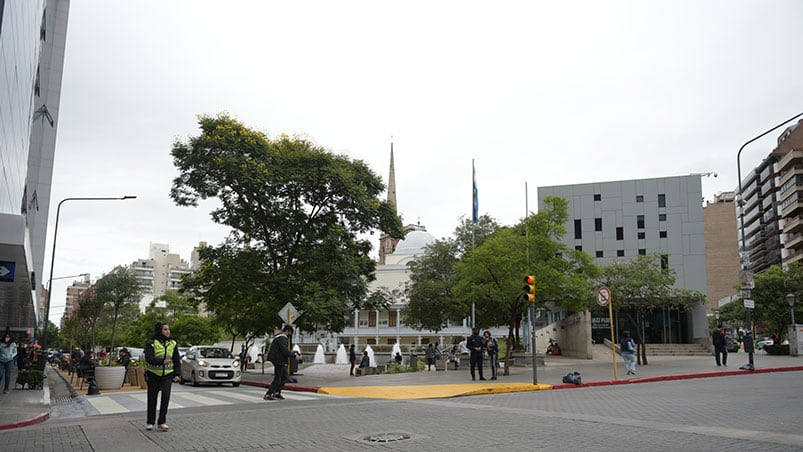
62 400
387 437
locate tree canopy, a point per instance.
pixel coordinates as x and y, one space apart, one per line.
296 211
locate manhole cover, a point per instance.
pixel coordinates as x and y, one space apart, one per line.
386 437
62 400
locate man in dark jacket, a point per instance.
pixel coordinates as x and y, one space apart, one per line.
475 345
718 338
279 354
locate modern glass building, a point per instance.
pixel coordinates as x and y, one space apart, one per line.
32 41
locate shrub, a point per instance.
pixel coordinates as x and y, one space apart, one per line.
397 368
777 349
33 378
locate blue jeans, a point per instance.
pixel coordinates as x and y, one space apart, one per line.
6 373
630 361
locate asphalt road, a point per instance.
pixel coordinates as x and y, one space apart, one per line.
762 412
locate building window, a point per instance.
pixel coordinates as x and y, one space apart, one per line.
662 234
664 261
642 252
620 253
641 236
597 197
661 217
392 318
597 224
371 318
620 233
599 254
639 198
640 222
661 200
579 247
578 229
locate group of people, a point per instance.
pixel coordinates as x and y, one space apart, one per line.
478 346
365 361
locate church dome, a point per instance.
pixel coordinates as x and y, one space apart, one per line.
414 243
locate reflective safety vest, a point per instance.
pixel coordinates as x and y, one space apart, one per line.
160 351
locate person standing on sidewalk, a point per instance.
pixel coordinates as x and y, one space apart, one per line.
8 351
430 355
278 355
492 348
475 347
163 363
720 346
352 359
628 349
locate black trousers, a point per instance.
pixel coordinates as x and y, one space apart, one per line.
279 378
476 360
721 351
158 384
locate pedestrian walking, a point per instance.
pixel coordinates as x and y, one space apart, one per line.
628 349
429 354
720 346
279 355
352 359
475 347
243 358
492 349
8 351
163 366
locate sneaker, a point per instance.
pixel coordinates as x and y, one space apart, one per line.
5 391
278 395
268 396
163 427
148 426
482 378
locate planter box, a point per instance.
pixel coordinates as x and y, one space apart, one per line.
110 377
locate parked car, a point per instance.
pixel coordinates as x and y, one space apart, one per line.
209 364
182 351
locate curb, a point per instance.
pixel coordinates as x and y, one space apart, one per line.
290 387
38 418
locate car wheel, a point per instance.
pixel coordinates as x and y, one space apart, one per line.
235 384
194 380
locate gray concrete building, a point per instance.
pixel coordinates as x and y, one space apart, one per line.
618 220
32 42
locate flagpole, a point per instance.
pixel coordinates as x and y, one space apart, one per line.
474 220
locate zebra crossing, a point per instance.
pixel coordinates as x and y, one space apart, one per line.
187 397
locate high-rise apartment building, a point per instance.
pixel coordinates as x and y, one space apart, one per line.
74 292
160 272
790 169
721 250
32 42
618 220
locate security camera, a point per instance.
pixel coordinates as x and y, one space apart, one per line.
715 174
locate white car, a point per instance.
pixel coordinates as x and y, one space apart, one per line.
209 364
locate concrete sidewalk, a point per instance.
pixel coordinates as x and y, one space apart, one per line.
22 407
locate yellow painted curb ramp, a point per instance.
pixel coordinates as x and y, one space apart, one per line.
429 391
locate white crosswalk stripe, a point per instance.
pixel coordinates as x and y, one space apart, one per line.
185 397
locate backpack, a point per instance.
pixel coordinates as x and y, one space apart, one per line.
573 377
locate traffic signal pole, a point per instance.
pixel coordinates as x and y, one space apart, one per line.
529 292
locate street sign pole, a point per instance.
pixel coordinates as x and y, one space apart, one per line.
532 332
604 298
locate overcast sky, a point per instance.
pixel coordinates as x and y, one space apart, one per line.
536 92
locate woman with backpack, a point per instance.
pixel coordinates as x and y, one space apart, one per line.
628 350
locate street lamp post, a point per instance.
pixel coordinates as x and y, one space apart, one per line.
45 343
790 299
743 255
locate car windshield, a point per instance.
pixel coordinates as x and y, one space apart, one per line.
213 353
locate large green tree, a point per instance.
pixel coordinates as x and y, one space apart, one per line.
771 288
296 209
431 302
115 290
644 284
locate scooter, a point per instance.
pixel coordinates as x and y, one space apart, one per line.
553 348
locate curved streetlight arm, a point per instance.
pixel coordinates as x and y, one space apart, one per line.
53 258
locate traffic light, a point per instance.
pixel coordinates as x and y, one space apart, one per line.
529 289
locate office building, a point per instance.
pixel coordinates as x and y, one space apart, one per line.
618 220
32 42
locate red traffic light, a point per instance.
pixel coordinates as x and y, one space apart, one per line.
529 289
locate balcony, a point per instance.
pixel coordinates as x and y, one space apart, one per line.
793 241
793 225
791 160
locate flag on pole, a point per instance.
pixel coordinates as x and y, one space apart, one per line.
476 204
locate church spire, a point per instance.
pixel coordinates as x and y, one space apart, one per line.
392 180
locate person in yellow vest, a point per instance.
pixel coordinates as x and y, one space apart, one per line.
163 366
